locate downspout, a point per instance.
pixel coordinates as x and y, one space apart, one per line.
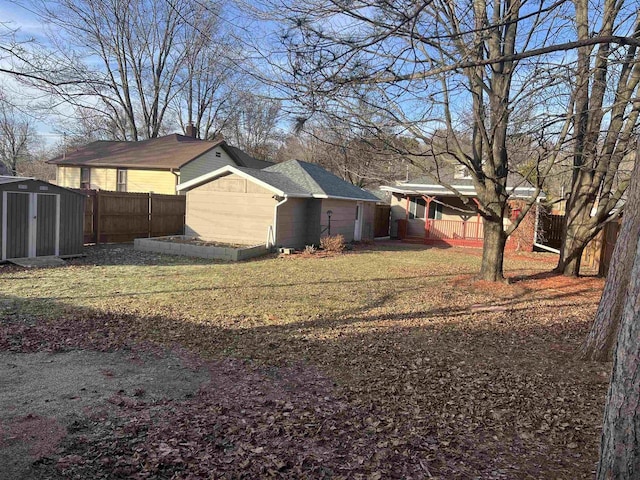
271 242
177 175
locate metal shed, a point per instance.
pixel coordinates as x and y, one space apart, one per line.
39 219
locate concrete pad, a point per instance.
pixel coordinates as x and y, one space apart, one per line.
38 262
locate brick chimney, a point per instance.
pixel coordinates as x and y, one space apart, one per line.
191 131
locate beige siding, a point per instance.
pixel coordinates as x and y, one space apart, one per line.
205 163
293 219
231 210
449 213
68 177
398 212
156 181
343 217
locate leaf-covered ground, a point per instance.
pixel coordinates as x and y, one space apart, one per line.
385 362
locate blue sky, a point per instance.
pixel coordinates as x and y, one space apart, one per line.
15 16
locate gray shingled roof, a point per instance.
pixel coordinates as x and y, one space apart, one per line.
278 181
247 160
319 182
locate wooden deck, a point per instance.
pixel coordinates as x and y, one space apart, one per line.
442 232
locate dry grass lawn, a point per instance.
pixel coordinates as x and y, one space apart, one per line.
386 362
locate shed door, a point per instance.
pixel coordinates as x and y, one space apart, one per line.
30 224
47 221
15 230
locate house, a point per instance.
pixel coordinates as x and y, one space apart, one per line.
430 212
289 204
39 219
156 165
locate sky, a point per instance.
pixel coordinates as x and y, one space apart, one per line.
15 16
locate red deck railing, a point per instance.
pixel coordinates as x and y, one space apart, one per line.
453 232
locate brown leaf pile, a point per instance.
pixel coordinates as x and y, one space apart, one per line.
418 375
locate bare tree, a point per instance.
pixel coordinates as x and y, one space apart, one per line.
15 135
253 125
421 67
605 125
620 445
210 76
354 155
126 57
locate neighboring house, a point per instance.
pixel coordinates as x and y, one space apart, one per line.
427 211
289 204
156 165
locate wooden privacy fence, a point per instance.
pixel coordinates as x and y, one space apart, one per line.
119 217
598 252
550 230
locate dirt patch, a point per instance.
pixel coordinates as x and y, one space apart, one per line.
43 395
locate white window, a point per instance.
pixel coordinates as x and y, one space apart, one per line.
121 185
85 177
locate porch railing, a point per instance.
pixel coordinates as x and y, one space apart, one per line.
441 229
453 229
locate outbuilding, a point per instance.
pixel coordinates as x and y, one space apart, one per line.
290 204
39 219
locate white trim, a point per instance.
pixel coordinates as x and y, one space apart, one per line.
353 199
275 221
57 247
357 232
33 225
4 225
221 171
465 190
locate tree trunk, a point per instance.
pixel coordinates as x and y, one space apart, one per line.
620 444
493 251
601 338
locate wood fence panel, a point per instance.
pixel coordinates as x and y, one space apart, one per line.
89 231
550 230
382 215
122 217
610 235
167 214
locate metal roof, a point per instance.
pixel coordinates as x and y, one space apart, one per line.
9 179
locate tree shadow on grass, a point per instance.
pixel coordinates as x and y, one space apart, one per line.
459 391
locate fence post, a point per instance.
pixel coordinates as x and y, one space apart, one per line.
150 207
96 216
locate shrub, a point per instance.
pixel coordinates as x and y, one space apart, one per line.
310 249
334 243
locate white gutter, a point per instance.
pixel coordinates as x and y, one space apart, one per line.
275 222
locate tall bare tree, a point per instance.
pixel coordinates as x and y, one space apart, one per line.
421 67
605 124
16 133
253 125
127 57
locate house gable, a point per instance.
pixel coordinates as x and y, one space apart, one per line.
207 162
